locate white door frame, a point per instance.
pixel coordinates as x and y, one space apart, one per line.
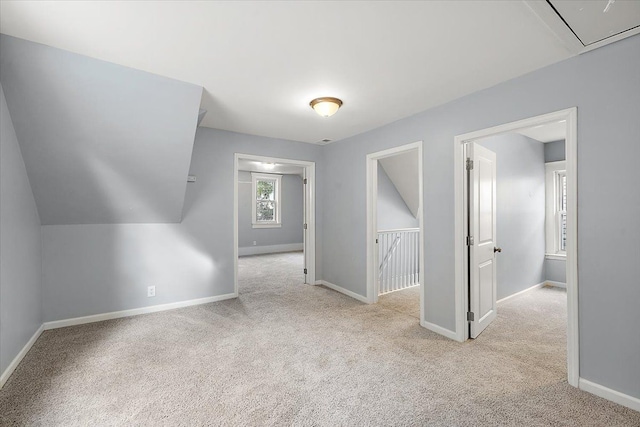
372 220
310 214
461 297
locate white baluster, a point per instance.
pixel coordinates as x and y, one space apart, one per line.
407 254
413 259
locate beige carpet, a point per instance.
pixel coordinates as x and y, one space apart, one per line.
290 354
406 301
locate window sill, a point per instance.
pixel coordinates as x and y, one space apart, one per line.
558 257
266 225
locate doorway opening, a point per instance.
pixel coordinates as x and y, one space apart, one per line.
395 237
516 215
274 221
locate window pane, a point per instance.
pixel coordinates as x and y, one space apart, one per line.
265 190
265 211
563 192
563 231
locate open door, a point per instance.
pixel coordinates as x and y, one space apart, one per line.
305 238
481 184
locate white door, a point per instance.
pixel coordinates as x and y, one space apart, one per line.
482 244
305 237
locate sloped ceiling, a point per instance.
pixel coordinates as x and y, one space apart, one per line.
402 170
102 143
546 133
262 62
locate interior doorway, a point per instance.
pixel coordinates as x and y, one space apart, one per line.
274 218
395 237
551 229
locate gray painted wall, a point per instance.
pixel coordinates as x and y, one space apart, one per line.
102 143
554 151
608 109
91 269
556 270
393 212
20 247
292 214
520 211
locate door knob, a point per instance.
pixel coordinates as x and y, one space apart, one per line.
497 250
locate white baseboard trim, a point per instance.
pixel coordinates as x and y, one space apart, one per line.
402 289
272 249
609 394
556 284
343 290
439 330
134 312
539 285
16 360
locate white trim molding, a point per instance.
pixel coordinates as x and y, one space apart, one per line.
277 219
570 116
342 290
556 257
309 245
538 286
439 330
372 219
134 312
16 360
610 394
552 173
555 284
270 249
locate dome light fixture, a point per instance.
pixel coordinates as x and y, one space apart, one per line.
327 106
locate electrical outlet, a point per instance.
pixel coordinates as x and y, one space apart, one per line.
151 291
254 243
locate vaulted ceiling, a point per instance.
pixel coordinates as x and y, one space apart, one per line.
102 143
106 96
260 63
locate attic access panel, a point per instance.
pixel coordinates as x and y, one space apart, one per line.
590 23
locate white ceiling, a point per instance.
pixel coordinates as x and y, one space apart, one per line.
546 133
262 62
279 168
590 22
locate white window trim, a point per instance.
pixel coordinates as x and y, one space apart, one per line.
551 198
277 222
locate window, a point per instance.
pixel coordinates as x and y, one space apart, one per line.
556 209
266 205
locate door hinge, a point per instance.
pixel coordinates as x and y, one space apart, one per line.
470 316
305 271
304 226
469 164
376 240
304 181
469 240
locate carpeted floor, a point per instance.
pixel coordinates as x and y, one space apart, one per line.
284 353
406 301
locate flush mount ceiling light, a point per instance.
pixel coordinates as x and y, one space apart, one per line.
327 106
